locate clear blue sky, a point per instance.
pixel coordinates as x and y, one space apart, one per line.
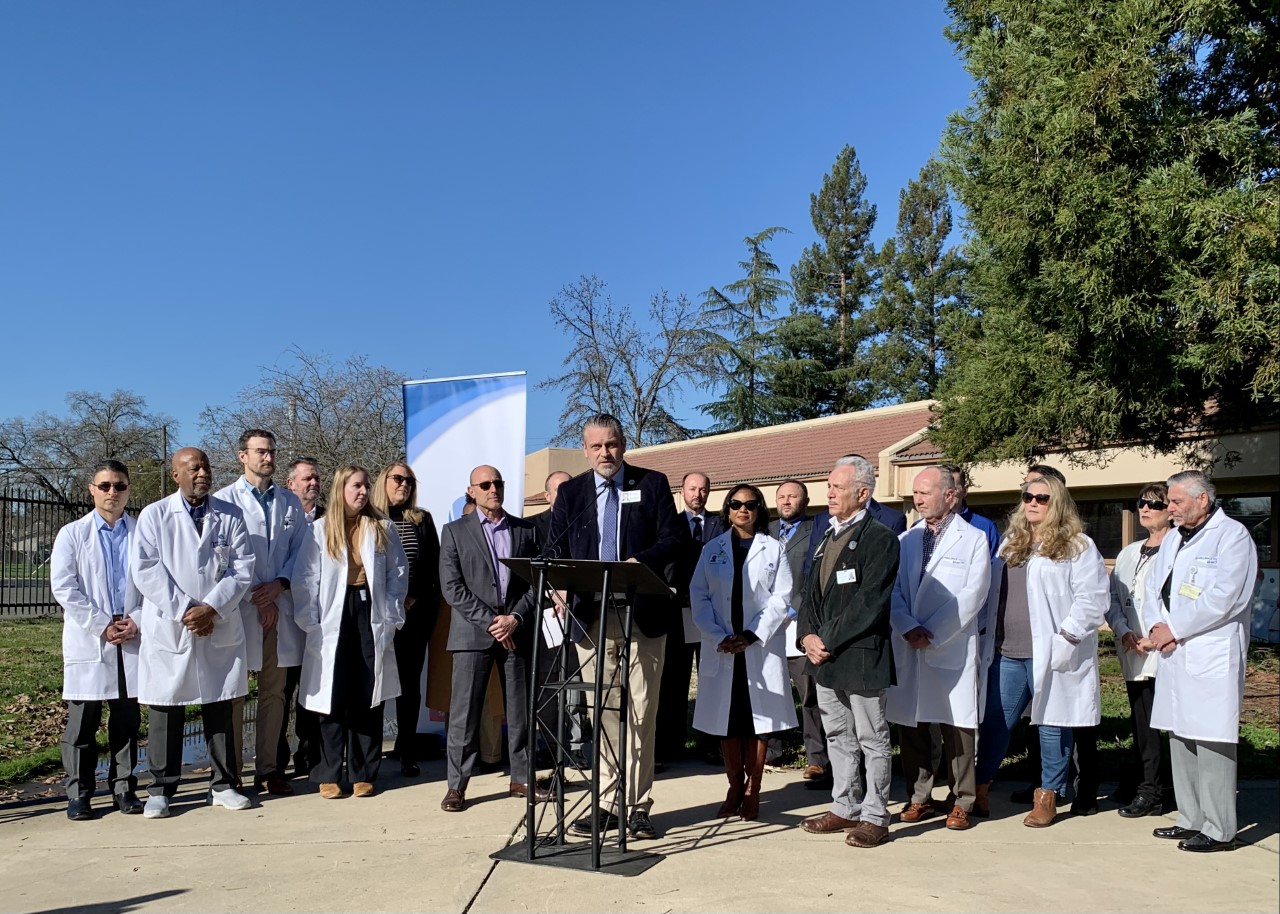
413 181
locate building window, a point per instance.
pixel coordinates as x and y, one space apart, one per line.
1104 523
1257 513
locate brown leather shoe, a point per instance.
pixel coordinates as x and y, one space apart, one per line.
540 794
827 823
274 785
866 835
982 801
916 811
453 801
1044 810
362 789
958 819
814 772
330 792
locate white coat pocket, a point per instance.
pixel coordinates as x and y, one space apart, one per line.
1062 655
227 632
80 647
1206 659
711 661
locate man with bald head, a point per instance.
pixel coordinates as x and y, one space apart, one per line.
192 563
494 620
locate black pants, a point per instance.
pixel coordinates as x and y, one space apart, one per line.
672 729
1084 750
306 725
569 738
80 741
411 653
1150 757
352 730
164 745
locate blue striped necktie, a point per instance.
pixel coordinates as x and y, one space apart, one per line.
609 543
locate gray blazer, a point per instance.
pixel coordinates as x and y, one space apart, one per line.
466 580
797 552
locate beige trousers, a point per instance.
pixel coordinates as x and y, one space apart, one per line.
270 718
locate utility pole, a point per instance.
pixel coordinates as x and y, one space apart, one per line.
164 460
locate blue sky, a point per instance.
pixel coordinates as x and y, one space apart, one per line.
188 189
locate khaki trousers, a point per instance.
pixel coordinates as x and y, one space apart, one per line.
270 718
959 746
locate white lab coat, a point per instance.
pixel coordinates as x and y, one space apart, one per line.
939 683
1069 595
175 568
272 560
320 588
766 591
1125 614
78 579
1200 684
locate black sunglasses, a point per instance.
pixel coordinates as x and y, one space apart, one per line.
490 484
1152 504
401 480
751 505
1040 498
108 486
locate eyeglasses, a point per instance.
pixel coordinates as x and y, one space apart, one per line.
1152 504
1040 498
261 451
108 486
401 480
735 505
490 484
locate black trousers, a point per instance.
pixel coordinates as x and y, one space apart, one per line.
672 729
306 725
80 741
1150 758
411 653
351 733
571 737
164 745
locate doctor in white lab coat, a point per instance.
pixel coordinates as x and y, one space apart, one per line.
1054 594
191 561
1196 609
738 597
89 577
935 612
352 579
273 642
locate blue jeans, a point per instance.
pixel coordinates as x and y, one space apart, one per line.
1008 693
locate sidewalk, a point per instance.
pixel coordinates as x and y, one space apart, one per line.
398 852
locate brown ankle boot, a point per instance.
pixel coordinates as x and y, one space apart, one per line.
756 751
731 749
981 801
1044 810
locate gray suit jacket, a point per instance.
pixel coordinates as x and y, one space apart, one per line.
797 552
466 580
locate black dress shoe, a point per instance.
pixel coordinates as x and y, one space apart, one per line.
1174 831
79 810
1203 844
301 767
410 769
1083 807
640 826
1141 806
608 822
128 803
1025 796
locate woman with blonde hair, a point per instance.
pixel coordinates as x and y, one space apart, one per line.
395 494
1049 592
355 577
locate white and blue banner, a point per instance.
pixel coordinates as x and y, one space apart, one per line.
454 425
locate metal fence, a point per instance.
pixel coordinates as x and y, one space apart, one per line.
29 521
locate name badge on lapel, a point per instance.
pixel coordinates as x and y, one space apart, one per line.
630 498
847 576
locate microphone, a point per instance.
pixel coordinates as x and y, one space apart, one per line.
551 550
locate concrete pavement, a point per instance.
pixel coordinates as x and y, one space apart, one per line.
397 851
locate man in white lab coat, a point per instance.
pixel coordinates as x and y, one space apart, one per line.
191 560
1196 610
89 577
941 588
273 642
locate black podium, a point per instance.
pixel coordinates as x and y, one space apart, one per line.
617 583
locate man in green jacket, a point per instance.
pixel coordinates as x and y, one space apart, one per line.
844 631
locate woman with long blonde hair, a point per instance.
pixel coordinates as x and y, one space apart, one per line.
354 578
1049 594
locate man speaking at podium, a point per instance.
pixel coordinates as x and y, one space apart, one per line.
619 512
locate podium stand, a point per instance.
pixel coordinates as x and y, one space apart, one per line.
618 583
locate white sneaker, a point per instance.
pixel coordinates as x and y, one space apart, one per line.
157 807
230 798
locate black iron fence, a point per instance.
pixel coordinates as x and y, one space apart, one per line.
29 521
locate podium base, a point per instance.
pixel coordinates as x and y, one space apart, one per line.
577 856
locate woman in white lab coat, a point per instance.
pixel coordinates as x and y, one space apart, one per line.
355 580
1053 595
738 598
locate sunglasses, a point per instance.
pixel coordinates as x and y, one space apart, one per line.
735 505
108 486
1152 504
490 484
1040 498
401 480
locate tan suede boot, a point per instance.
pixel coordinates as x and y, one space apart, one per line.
1045 809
